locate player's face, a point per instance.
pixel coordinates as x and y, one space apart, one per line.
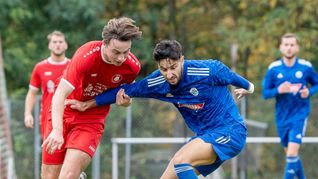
116 51
289 47
171 70
57 45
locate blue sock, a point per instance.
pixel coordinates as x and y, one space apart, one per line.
291 167
185 171
300 173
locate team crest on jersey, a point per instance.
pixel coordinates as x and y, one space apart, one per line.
280 75
117 78
194 91
299 74
50 86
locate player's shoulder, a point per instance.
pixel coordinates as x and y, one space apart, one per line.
304 62
275 64
202 67
42 63
90 48
133 63
155 79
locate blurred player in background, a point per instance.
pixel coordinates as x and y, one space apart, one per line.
97 66
199 90
44 76
291 81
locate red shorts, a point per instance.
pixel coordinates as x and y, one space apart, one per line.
77 135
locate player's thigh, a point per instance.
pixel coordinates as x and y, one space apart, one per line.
196 152
50 171
75 162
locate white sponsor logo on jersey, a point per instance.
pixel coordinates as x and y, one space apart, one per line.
47 73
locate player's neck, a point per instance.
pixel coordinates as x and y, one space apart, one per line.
57 58
289 61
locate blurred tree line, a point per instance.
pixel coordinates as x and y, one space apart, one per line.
206 29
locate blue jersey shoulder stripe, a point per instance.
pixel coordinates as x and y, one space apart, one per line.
155 81
198 71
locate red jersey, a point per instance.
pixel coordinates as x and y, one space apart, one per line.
44 76
89 75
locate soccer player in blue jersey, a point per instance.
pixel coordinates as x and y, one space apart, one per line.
199 90
287 80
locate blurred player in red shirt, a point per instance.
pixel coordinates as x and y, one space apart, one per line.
72 137
44 76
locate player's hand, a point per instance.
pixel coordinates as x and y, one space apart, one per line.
122 99
53 142
240 93
75 104
304 93
284 87
29 121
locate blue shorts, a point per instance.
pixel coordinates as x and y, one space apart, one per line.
226 142
292 133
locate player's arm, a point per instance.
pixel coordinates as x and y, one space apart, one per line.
268 88
29 104
313 80
108 97
55 139
225 76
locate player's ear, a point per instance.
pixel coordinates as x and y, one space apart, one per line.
182 59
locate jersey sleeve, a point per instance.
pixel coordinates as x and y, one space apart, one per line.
137 89
35 81
313 80
269 89
223 75
77 67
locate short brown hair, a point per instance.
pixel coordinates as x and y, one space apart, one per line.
289 35
122 29
57 33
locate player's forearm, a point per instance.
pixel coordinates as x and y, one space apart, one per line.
90 104
269 93
107 97
57 111
29 103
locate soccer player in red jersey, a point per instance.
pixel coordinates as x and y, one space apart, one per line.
95 67
44 76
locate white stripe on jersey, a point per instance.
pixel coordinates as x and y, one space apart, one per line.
275 64
155 81
198 71
304 62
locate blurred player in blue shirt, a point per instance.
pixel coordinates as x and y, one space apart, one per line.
287 80
199 90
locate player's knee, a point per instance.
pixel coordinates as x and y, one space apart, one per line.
69 174
180 159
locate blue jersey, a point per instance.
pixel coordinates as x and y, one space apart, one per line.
201 96
290 106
